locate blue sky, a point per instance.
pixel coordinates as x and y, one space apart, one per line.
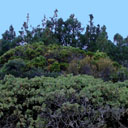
112 13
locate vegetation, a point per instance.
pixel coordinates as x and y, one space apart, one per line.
70 32
37 59
59 75
45 102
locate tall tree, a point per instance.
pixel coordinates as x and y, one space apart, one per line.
10 34
8 40
72 31
91 34
118 39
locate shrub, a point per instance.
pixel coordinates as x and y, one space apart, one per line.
19 68
51 61
99 55
70 111
89 104
71 101
56 58
91 54
120 75
29 53
39 61
14 67
63 66
21 103
87 66
73 67
32 72
98 67
55 67
105 68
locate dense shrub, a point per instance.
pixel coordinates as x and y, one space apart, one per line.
18 68
64 66
120 75
73 67
98 55
31 51
32 72
21 103
61 59
39 61
87 66
105 68
98 65
55 67
71 101
15 67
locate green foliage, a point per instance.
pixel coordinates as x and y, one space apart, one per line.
51 58
64 66
15 67
39 61
120 75
105 68
74 67
51 61
52 100
99 55
67 32
63 59
20 104
90 53
31 51
55 67
98 65
46 101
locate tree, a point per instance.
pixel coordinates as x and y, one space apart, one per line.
8 40
65 32
72 31
118 39
91 34
10 34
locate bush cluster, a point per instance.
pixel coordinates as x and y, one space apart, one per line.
38 59
99 65
71 101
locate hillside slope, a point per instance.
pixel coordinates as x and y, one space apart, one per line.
38 59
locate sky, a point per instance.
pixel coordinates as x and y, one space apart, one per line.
112 13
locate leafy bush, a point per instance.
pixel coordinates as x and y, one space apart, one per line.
99 66
73 67
120 75
32 72
87 66
18 68
105 68
90 53
55 67
20 104
51 61
62 59
40 55
15 67
64 66
98 55
39 61
30 53
45 102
